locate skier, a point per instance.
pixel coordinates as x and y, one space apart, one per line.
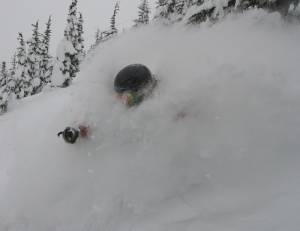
132 85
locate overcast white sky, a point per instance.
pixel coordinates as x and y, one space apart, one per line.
18 15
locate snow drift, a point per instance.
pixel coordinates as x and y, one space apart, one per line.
215 148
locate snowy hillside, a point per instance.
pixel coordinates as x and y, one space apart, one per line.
216 148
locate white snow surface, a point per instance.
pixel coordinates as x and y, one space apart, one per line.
229 162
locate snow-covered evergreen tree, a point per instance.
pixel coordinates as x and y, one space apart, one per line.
180 6
4 89
113 27
102 36
107 34
3 102
68 58
281 6
99 37
34 82
143 13
21 66
3 75
80 40
70 32
294 9
11 82
161 9
172 10
201 10
171 6
13 66
208 9
46 64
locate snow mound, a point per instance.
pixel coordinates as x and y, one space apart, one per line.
215 148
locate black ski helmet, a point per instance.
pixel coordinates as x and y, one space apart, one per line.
134 77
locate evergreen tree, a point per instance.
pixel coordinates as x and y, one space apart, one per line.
102 36
68 59
113 27
3 75
209 9
21 66
4 90
213 10
80 45
171 10
11 82
99 37
46 65
3 102
294 9
33 81
143 14
13 66
171 6
106 35
281 6
71 28
181 6
161 9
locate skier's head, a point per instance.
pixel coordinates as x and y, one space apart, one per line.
133 83
70 135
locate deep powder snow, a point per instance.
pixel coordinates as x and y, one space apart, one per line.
215 148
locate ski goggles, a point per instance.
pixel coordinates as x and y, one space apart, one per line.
130 98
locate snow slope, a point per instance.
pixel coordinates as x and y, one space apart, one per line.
216 148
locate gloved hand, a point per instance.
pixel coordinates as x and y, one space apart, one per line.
70 135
